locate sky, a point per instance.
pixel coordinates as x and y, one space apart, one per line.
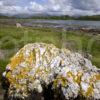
52 7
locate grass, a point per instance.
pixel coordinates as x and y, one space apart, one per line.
12 39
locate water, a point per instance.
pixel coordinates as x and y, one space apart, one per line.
65 23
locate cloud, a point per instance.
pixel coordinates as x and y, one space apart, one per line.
86 4
76 7
53 7
86 7
35 7
11 8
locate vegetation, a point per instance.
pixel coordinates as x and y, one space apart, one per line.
63 17
54 17
4 17
66 17
12 39
95 18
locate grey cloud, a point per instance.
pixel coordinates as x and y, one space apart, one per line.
75 7
54 7
10 7
9 2
86 4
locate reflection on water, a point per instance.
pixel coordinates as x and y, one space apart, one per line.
65 23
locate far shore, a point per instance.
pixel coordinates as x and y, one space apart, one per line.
42 23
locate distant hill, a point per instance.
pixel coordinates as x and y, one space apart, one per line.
63 17
2 16
66 17
94 17
5 16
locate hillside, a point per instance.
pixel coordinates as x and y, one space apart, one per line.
94 17
66 17
63 17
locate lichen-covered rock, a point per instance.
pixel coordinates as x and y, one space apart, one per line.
39 63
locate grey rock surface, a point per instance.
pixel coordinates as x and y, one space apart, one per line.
39 64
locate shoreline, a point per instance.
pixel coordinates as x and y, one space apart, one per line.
54 24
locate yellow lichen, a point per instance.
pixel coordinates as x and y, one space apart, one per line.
97 77
60 81
69 74
77 78
90 91
25 70
18 86
63 82
31 57
10 78
16 60
8 75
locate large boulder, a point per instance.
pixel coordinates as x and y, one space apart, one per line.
39 66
